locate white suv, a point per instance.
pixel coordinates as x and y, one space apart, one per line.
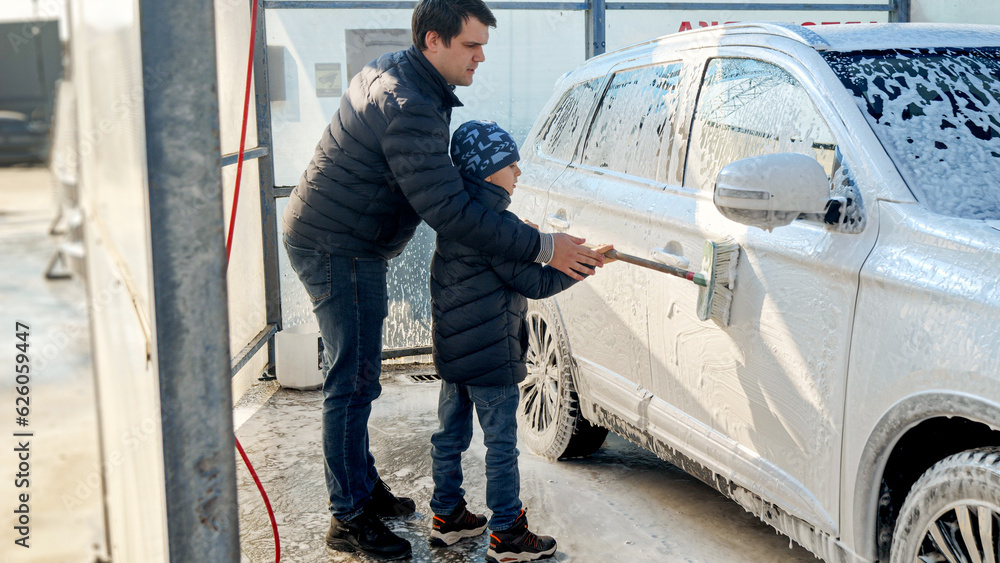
853 399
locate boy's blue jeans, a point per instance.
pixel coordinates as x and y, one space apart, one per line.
496 407
349 299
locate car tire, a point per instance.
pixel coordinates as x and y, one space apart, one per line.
549 411
953 509
586 439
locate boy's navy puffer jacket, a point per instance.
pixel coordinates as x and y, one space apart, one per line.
478 301
382 165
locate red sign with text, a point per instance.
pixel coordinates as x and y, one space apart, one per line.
686 25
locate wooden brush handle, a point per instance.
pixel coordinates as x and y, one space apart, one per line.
672 270
613 254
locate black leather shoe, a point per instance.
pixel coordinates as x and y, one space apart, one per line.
384 504
367 534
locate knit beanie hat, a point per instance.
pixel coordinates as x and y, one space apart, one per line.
480 148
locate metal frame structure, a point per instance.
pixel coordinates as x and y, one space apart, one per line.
189 258
268 196
899 10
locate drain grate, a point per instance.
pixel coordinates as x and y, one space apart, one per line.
424 377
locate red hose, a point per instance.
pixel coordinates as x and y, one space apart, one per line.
267 503
229 248
243 131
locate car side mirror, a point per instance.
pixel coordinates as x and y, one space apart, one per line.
772 190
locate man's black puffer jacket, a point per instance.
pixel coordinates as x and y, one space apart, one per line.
382 165
478 301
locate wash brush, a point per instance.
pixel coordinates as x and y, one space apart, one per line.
716 278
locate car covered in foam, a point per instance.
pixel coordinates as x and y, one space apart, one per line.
852 400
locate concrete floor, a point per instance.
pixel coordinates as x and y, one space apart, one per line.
623 504
66 515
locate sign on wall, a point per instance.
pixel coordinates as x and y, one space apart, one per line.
328 80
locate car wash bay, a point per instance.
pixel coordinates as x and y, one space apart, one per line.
182 339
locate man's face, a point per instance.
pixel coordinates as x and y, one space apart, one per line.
457 62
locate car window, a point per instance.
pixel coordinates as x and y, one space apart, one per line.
937 113
750 108
560 134
627 131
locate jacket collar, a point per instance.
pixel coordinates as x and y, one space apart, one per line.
491 195
434 83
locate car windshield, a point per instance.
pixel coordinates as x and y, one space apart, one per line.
937 113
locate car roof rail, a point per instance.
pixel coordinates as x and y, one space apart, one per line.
792 31
797 32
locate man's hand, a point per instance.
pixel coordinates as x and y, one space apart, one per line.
530 224
572 259
603 250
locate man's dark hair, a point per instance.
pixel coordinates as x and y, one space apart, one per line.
446 18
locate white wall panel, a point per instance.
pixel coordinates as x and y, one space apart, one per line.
247 313
955 11
113 188
526 53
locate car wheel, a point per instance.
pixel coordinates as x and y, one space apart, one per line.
952 513
549 413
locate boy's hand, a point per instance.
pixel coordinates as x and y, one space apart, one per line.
530 224
573 259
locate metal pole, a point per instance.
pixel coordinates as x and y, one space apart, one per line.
900 11
191 327
265 172
595 20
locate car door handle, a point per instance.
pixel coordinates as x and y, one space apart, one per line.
557 222
671 259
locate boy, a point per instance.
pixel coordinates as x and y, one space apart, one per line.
480 339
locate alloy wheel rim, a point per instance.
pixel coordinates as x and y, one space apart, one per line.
540 390
966 533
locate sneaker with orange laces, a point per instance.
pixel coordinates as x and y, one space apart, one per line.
517 543
459 524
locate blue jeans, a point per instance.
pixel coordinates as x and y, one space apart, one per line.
496 407
349 299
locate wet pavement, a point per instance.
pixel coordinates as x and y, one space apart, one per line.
622 504
65 515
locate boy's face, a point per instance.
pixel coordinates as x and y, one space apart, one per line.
506 177
457 61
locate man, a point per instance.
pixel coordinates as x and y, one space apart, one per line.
380 167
